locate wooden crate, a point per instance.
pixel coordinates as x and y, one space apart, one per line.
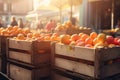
31 52
96 63
19 71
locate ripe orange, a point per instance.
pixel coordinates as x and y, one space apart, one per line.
93 35
47 38
36 34
89 41
74 37
55 34
54 38
80 34
101 37
29 35
84 37
26 31
80 44
95 41
20 37
88 46
65 39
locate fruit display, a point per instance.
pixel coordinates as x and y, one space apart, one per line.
38 37
13 31
112 31
68 28
93 40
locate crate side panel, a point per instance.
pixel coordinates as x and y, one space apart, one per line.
19 73
22 45
77 52
24 57
75 66
110 53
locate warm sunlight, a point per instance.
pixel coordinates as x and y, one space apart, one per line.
38 3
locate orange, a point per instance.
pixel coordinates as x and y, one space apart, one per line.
89 41
93 35
95 41
80 34
20 37
15 28
84 37
74 37
29 35
65 39
9 28
54 38
26 31
47 38
36 34
101 37
88 46
72 43
80 44
55 34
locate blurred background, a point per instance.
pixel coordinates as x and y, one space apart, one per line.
96 14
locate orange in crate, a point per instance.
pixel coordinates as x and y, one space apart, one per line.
93 35
84 37
89 41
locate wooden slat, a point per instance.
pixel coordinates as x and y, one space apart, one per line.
20 56
75 66
19 44
75 59
77 52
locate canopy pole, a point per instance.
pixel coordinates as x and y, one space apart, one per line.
112 15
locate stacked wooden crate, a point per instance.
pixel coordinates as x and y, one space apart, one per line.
28 60
94 63
3 59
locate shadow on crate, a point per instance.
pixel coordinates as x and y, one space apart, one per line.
4 77
77 76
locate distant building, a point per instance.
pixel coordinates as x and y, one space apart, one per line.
18 8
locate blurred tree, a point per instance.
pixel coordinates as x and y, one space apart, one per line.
60 4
